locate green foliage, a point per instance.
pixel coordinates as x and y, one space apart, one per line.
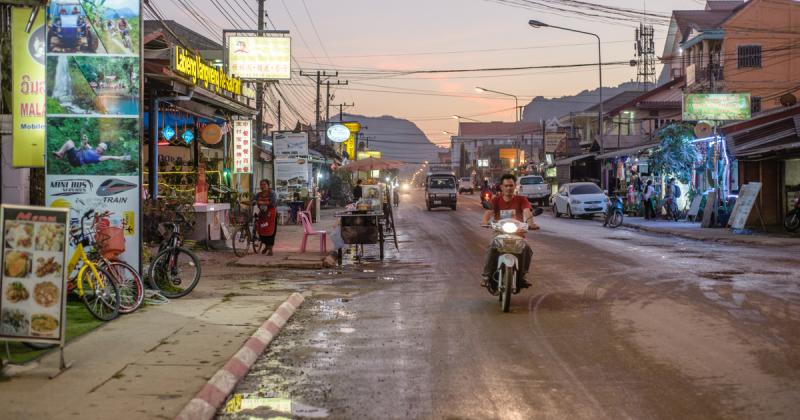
54 107
121 135
676 155
83 95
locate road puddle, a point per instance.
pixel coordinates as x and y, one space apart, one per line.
258 407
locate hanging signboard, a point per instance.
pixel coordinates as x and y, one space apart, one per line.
288 144
369 154
93 110
716 106
260 57
28 87
350 143
33 276
552 140
242 147
748 195
338 133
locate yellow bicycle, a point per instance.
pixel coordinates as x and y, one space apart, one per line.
91 283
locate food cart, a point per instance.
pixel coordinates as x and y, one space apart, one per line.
367 224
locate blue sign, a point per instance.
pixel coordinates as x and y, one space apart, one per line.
187 136
168 132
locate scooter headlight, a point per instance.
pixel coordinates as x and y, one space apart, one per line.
509 227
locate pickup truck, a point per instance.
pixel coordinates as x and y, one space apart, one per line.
464 185
534 188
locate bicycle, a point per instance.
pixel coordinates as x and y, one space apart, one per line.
127 278
101 298
244 238
172 264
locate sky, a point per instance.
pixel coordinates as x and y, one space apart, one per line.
369 41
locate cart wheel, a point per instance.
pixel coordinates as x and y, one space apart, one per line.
339 256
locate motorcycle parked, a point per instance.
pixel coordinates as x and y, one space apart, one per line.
671 209
792 220
614 212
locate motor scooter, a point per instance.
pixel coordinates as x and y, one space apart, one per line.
614 212
486 197
792 220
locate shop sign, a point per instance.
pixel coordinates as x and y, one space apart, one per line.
288 144
28 98
350 143
483 163
93 122
369 154
242 147
260 57
552 140
33 278
211 134
716 106
191 65
291 175
338 133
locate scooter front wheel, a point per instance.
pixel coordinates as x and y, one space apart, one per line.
507 281
615 220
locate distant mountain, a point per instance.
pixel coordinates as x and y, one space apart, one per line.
118 13
541 108
395 138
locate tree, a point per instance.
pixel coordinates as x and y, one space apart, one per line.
676 155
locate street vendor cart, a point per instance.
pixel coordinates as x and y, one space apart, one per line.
361 228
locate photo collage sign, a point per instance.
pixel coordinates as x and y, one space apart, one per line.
93 148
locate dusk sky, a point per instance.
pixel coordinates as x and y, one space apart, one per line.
362 37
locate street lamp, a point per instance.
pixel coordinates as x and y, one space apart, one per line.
516 100
538 24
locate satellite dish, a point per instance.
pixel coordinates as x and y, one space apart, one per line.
703 130
788 100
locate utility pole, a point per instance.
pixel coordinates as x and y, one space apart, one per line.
328 97
317 78
341 109
260 99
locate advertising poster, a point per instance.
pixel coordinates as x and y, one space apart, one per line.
93 110
28 89
287 144
552 140
291 175
716 106
33 278
260 58
242 147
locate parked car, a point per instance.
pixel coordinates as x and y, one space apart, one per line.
579 199
441 191
534 188
464 185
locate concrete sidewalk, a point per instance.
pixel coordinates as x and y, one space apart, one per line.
151 363
690 230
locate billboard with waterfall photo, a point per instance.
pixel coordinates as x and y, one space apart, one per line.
92 85
93 26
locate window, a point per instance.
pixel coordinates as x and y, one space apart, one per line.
748 56
531 180
585 189
755 104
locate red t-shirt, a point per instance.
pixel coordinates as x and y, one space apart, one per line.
507 209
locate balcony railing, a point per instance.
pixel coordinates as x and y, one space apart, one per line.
704 74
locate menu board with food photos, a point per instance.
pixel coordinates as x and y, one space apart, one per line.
34 243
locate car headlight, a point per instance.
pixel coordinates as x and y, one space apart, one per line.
509 227
575 201
452 196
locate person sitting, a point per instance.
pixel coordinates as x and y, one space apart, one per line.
85 154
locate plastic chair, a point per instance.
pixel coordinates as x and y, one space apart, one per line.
308 230
307 211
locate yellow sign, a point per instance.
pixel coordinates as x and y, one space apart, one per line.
369 154
130 222
191 65
260 57
350 143
28 87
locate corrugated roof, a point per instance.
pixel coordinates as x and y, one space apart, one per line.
194 39
723 4
699 20
614 102
496 128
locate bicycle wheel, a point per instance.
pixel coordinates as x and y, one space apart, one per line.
174 272
241 241
100 295
129 283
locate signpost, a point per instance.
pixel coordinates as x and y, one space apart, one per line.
33 242
748 196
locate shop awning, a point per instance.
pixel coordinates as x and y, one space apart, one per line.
765 135
569 160
630 151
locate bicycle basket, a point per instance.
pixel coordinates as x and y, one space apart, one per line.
110 241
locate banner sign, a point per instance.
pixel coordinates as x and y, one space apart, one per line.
93 146
191 65
291 175
716 106
260 57
28 97
287 144
33 278
242 147
552 140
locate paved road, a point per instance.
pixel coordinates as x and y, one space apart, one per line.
619 324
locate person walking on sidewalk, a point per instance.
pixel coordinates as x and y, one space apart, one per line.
649 193
266 223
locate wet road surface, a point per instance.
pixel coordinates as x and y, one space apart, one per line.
618 324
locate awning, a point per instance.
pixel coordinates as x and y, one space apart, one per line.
774 133
628 152
569 160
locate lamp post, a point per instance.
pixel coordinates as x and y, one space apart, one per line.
516 100
538 24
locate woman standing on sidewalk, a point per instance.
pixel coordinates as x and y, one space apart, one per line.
649 196
266 223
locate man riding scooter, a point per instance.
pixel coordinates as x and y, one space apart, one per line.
508 205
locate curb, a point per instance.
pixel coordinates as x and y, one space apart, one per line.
730 241
214 393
